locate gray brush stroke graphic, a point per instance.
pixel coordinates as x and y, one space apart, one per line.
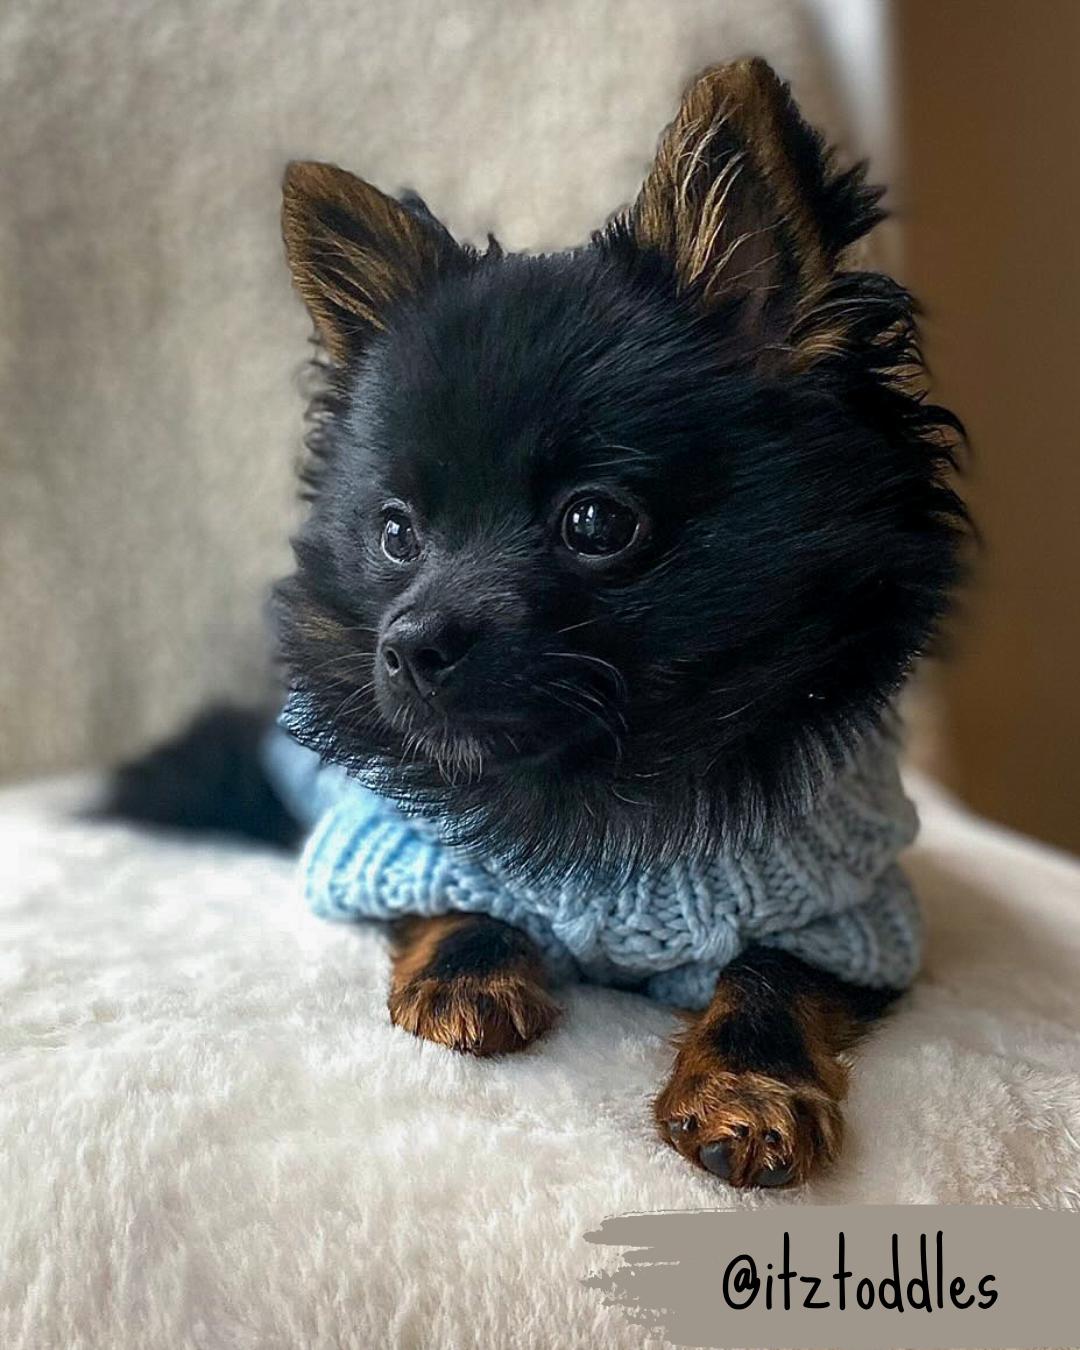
676 1266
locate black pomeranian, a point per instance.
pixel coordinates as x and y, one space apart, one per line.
659 519
614 558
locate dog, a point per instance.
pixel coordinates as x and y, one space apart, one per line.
613 559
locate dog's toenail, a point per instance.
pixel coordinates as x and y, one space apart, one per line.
716 1159
776 1176
682 1126
772 1137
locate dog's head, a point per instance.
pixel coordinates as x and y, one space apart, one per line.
610 551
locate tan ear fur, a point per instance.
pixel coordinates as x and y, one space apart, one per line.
743 200
353 252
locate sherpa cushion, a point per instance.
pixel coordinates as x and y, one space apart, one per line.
211 1136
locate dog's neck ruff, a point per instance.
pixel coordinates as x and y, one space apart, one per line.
828 890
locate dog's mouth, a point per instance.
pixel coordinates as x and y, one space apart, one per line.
464 753
565 706
466 745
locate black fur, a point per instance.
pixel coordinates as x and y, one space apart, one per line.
481 946
209 777
804 543
762 1033
804 539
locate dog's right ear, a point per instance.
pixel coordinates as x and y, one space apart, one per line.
356 253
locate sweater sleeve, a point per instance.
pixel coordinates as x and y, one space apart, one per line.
876 943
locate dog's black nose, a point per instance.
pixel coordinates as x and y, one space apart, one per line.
425 653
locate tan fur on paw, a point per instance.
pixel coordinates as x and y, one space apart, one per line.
470 983
747 1128
759 1075
749 1124
478 1015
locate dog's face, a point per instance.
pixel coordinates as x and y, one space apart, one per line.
608 549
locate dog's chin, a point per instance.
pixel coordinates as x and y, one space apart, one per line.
466 750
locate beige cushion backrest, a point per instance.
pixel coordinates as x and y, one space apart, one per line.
149 342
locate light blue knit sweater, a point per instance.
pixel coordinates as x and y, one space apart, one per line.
829 890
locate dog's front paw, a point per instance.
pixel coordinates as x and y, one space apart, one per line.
479 1015
470 983
746 1127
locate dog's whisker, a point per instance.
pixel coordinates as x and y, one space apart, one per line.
342 658
573 627
587 658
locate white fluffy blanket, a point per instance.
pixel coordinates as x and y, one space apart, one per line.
211 1137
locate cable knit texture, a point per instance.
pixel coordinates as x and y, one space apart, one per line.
828 890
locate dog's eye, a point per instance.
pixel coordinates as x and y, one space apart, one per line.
399 541
600 527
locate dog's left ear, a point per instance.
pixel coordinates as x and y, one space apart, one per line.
745 205
356 253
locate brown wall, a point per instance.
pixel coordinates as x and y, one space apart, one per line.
990 93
